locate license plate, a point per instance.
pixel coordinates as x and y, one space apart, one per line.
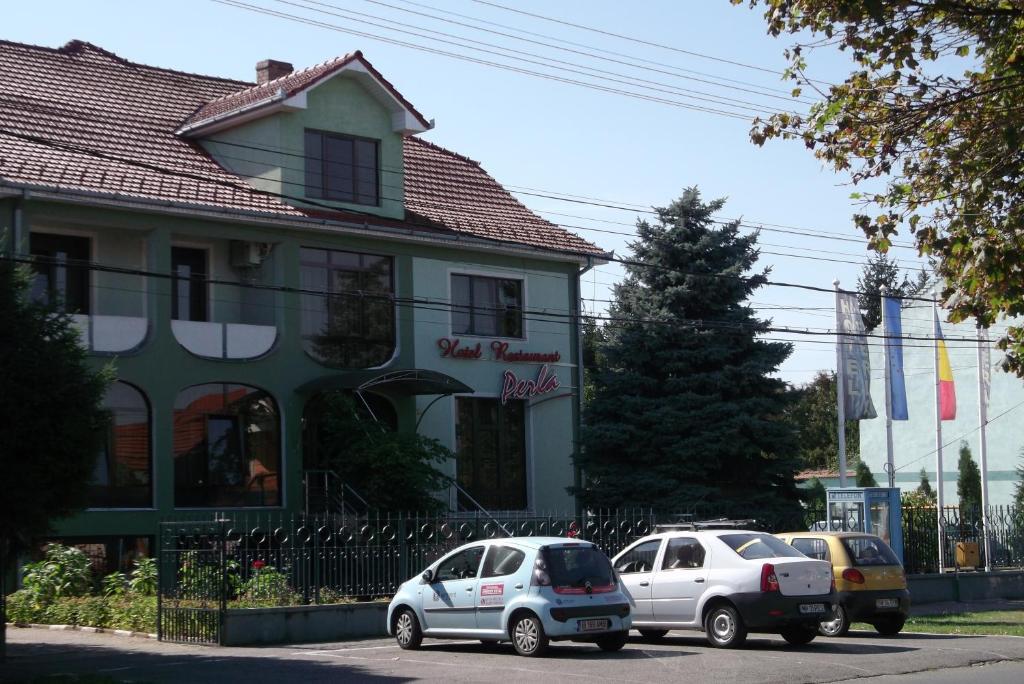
594 625
887 603
811 608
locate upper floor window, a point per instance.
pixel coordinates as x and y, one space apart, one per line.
61 271
188 284
490 307
348 317
342 168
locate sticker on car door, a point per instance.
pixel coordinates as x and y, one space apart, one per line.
492 594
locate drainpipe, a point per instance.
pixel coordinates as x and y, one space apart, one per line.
578 475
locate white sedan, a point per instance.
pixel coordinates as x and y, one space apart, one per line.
727 582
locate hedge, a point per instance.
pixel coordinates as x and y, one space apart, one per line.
130 612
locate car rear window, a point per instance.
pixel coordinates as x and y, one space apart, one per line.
754 546
869 551
574 567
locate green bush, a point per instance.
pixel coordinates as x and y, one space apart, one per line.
22 607
93 611
137 613
144 577
64 571
63 611
115 584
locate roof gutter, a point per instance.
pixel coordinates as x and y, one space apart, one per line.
194 128
110 200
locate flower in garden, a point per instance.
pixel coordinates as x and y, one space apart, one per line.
257 564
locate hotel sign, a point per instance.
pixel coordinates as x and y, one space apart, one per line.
512 387
453 348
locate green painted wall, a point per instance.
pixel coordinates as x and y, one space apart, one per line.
162 367
340 105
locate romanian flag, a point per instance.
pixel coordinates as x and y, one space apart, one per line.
947 391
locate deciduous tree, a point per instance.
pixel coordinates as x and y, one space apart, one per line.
814 416
931 114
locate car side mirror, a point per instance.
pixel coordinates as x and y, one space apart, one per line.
428 575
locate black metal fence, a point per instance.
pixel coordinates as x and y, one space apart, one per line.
921 538
264 560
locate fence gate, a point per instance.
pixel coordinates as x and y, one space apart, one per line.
192 594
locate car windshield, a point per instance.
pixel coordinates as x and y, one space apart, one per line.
577 565
754 546
869 551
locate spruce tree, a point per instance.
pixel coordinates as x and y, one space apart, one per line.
865 478
925 488
968 481
685 413
1018 487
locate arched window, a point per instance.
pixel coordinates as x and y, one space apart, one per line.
227 449
366 411
122 476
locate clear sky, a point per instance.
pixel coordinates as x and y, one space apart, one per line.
552 136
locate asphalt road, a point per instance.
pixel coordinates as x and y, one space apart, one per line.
682 656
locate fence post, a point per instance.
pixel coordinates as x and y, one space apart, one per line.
222 606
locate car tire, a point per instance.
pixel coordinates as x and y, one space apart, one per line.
890 626
653 633
528 636
799 636
837 626
612 642
407 630
724 627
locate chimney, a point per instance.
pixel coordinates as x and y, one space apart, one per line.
269 69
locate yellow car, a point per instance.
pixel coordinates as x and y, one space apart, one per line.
870 583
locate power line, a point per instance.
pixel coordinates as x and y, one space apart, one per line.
476 60
959 437
588 52
571 67
630 38
755 326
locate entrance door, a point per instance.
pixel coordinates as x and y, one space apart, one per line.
680 582
450 600
636 568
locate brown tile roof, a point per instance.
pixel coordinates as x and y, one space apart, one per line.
821 474
81 119
289 85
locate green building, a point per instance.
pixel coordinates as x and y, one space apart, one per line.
234 249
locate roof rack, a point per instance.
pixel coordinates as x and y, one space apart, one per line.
717 524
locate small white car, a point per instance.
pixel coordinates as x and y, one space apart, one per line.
527 590
727 582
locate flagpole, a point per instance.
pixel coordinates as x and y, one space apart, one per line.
939 499
983 423
889 465
840 394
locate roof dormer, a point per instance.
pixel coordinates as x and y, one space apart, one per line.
281 89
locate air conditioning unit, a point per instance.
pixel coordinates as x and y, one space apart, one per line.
246 254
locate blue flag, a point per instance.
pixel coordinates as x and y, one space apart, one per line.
894 331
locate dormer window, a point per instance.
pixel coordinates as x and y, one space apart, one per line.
342 168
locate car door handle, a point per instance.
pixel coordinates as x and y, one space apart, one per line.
469 589
645 583
699 579
519 586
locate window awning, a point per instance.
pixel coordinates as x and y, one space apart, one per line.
398 383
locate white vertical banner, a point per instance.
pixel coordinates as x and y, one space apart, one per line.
984 391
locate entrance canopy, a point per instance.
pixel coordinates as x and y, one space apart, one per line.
391 384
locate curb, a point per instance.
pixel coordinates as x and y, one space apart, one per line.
79 628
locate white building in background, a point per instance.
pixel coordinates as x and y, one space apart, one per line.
914 439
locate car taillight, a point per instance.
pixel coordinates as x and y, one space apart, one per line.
540 578
769 581
853 575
